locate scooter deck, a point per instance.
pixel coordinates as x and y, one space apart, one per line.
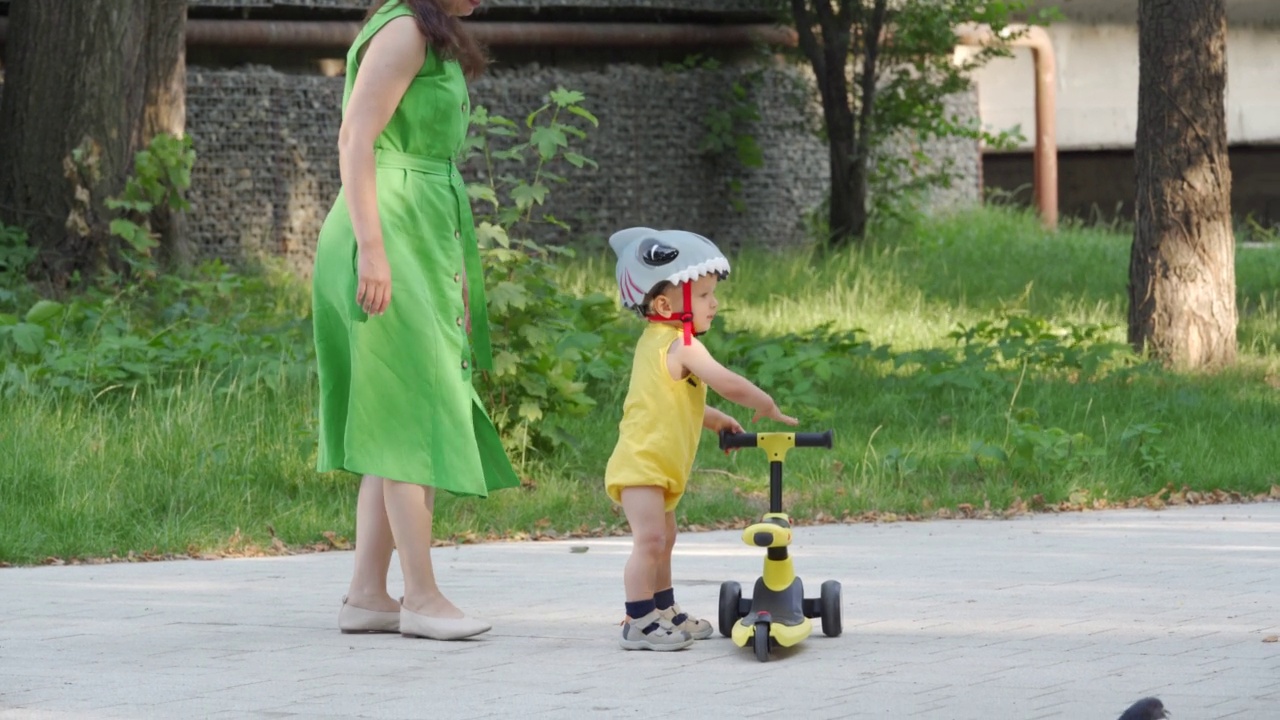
784 609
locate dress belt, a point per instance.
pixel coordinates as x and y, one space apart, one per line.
395 159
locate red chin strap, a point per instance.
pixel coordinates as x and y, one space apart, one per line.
685 317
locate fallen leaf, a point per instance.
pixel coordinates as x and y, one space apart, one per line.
1271 638
335 541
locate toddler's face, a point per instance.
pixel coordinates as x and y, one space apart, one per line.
704 301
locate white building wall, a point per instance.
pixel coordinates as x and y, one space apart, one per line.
1097 86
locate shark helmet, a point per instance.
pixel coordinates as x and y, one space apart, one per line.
648 257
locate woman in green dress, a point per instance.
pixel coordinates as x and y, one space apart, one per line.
397 406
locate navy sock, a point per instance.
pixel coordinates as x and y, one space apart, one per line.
664 599
640 608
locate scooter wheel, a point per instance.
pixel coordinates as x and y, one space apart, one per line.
730 602
830 600
762 641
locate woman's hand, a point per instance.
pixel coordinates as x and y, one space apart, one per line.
373 293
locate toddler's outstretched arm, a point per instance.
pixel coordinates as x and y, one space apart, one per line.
695 358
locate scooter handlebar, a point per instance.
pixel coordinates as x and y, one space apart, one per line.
729 441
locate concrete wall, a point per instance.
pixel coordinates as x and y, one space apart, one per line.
1097 57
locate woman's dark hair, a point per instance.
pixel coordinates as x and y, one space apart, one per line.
444 33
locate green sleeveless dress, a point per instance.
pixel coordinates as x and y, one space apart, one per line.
396 398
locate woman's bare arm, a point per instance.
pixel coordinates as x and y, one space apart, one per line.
391 60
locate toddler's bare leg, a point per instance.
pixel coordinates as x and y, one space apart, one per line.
646 514
662 578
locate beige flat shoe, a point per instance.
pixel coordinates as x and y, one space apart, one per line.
352 619
414 625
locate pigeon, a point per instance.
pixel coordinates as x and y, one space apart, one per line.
1146 709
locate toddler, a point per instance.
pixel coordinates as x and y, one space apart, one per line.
669 277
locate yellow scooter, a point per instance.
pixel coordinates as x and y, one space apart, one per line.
777 613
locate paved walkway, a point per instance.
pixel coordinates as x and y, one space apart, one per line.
1069 616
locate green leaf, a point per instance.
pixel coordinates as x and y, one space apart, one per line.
43 311
480 191
567 98
578 161
507 294
583 113
526 195
548 139
27 337
505 363
528 120
489 235
530 411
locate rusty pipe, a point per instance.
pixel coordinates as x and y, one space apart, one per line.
1045 155
628 34
338 35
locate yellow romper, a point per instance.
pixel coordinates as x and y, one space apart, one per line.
661 422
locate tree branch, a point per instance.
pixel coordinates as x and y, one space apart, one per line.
870 73
804 32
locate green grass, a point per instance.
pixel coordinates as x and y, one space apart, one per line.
212 466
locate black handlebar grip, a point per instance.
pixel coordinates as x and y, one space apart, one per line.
729 440
822 439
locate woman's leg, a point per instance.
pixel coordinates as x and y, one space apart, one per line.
645 508
410 509
368 589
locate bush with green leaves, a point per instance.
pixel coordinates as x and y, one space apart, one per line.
549 344
138 328
989 355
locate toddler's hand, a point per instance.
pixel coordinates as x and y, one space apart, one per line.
773 413
728 424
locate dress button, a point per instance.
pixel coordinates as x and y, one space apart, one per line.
459 322
457 278
465 364
457 234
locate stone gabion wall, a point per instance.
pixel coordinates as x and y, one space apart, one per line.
963 154
268 167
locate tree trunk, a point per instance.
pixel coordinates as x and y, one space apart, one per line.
101 75
846 218
1182 305
829 57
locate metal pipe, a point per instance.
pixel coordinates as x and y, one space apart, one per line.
338 35
627 34
1045 155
